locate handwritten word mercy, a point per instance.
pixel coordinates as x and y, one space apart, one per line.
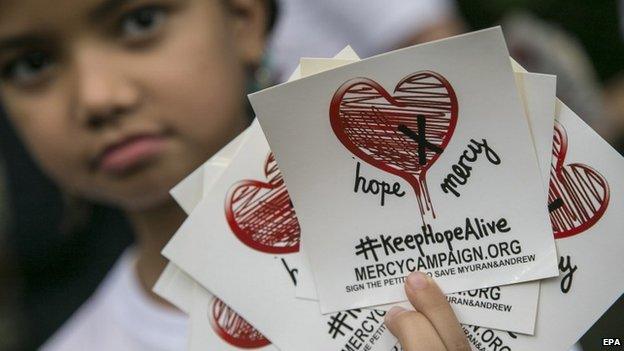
462 170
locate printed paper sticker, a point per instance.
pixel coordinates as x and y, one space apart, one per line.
419 159
510 307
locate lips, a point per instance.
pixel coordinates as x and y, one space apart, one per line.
130 153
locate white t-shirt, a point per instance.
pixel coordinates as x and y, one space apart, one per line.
321 28
121 316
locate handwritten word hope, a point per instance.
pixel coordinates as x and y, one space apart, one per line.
462 169
376 187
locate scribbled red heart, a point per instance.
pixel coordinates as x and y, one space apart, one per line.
233 329
403 133
261 214
578 195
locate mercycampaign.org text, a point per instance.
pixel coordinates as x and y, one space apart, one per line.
444 261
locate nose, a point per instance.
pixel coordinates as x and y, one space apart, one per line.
104 92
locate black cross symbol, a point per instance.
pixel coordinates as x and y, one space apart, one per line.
553 206
423 143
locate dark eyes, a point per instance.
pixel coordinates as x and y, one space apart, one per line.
142 23
28 68
135 27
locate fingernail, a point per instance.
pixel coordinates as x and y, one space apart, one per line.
393 312
417 280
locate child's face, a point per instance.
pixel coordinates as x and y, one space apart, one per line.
119 99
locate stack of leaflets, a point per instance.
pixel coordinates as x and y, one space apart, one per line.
446 158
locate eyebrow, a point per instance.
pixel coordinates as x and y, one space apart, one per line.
21 41
102 10
106 8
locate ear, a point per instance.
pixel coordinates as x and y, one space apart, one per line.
250 20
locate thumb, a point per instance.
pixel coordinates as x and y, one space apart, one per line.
413 329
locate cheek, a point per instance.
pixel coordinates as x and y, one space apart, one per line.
201 95
207 110
44 129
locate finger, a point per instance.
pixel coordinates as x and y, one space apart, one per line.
414 331
428 299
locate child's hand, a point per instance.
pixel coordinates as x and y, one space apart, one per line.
433 325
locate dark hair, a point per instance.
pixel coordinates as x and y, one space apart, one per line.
273 11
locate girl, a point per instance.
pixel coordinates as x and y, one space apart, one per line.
118 100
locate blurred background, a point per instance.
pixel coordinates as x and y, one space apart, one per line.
54 252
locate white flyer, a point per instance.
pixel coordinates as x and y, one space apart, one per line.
511 308
176 287
419 159
586 206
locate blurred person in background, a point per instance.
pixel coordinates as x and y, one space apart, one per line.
614 96
541 46
321 28
577 40
614 104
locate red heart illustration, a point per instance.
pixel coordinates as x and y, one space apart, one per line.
261 214
578 195
233 329
404 133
